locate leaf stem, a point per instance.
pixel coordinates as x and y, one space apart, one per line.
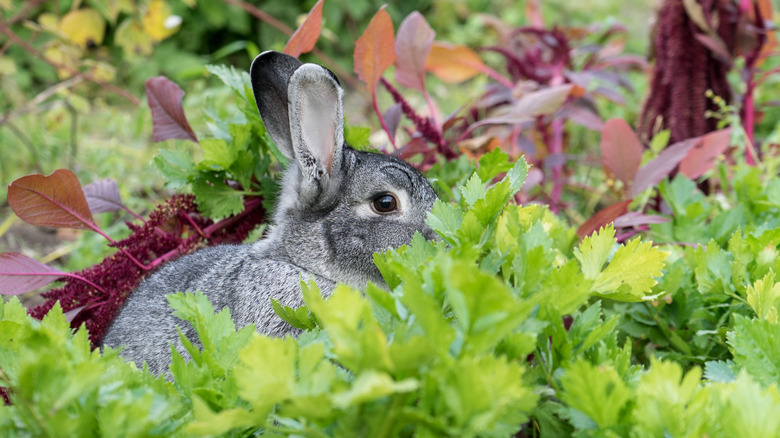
681 347
194 225
73 71
498 77
382 120
432 109
389 422
249 207
134 214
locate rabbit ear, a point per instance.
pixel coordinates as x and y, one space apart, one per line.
316 122
270 73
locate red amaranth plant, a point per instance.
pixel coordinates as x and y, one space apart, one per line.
685 68
695 45
94 295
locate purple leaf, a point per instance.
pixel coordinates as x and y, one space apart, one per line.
103 196
393 118
168 117
659 168
621 151
716 45
626 60
20 274
583 116
635 218
610 94
71 314
412 45
537 103
533 179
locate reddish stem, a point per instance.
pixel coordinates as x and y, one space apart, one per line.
556 149
133 214
498 77
432 109
622 237
382 119
62 274
556 146
194 225
249 207
748 119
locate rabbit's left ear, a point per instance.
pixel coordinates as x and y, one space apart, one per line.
316 122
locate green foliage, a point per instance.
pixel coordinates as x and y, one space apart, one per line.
60 387
507 325
718 268
240 153
506 321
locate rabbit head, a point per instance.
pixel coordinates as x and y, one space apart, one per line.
338 206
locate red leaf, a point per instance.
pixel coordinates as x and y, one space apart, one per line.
168 117
20 274
103 196
603 217
374 50
704 153
659 168
52 201
306 36
621 151
413 45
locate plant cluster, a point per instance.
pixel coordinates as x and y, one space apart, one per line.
514 323
507 325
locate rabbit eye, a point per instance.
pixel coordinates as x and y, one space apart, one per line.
384 204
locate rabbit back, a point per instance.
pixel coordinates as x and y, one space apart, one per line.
242 278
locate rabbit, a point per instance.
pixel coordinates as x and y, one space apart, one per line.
336 208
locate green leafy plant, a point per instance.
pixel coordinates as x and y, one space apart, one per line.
507 325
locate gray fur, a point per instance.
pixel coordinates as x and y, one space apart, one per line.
324 226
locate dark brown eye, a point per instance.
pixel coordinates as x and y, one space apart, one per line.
384 203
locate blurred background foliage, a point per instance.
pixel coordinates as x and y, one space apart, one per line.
96 122
72 76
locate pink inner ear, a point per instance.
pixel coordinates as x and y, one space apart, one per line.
318 119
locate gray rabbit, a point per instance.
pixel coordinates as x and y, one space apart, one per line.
337 207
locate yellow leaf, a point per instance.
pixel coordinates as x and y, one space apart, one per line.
66 58
453 63
49 23
130 36
100 70
78 103
158 22
7 66
84 27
